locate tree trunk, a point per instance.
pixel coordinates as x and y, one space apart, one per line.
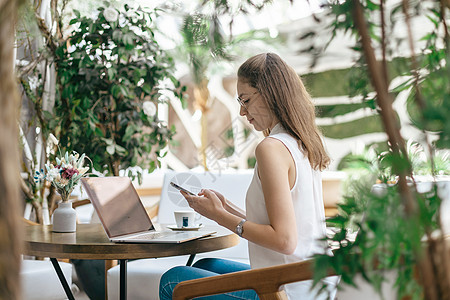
202 97
10 223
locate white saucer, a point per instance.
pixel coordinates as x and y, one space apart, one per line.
175 227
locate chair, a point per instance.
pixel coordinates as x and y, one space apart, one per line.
39 279
143 276
265 281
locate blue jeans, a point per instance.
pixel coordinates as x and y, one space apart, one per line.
204 268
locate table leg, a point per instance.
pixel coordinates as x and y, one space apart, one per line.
62 278
190 260
123 278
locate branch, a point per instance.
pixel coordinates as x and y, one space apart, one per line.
398 145
22 71
56 18
444 22
25 189
387 113
418 95
383 42
383 98
415 67
52 45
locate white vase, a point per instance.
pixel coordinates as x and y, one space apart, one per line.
64 218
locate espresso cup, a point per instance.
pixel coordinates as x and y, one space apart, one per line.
186 218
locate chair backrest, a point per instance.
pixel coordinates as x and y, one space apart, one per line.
233 185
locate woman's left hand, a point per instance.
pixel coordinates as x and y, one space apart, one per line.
206 203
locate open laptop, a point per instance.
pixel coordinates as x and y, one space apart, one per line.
124 217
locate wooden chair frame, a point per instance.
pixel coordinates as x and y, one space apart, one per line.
265 281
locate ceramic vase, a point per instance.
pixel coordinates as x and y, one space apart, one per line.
64 218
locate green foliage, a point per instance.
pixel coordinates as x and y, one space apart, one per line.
421 164
331 111
431 65
353 82
107 71
203 44
353 128
372 233
429 101
387 240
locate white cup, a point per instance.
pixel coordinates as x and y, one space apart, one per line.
186 218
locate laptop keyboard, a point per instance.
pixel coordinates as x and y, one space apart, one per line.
150 236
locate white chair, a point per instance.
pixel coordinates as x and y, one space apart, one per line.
39 280
143 275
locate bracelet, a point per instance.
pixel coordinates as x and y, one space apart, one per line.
240 227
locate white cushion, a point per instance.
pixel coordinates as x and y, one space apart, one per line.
232 184
40 281
143 277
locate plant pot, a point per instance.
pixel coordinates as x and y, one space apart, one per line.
64 218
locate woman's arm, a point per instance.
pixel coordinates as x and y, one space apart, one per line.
230 206
235 210
275 166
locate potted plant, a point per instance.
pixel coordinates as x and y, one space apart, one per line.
399 229
110 75
64 176
96 84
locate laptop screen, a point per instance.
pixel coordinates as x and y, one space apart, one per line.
117 204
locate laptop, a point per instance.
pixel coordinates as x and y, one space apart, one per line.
123 216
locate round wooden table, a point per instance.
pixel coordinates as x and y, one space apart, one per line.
90 242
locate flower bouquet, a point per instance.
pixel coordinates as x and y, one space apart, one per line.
64 176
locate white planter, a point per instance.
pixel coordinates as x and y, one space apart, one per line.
64 218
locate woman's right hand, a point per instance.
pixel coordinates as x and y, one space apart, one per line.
222 199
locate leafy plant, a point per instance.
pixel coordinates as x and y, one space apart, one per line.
392 224
111 76
96 83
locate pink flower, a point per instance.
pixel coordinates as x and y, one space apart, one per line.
68 173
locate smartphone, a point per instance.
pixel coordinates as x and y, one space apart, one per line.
181 188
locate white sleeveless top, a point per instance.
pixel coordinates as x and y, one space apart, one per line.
309 212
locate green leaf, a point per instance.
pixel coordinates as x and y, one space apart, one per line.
73 21
115 91
108 141
112 72
110 149
117 35
120 149
136 75
129 131
147 88
128 39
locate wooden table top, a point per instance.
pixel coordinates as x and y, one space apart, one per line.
90 242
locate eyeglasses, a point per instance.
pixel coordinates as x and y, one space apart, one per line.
242 102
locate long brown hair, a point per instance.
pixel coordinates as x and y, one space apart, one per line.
286 96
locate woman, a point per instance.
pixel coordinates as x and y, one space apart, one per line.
284 215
